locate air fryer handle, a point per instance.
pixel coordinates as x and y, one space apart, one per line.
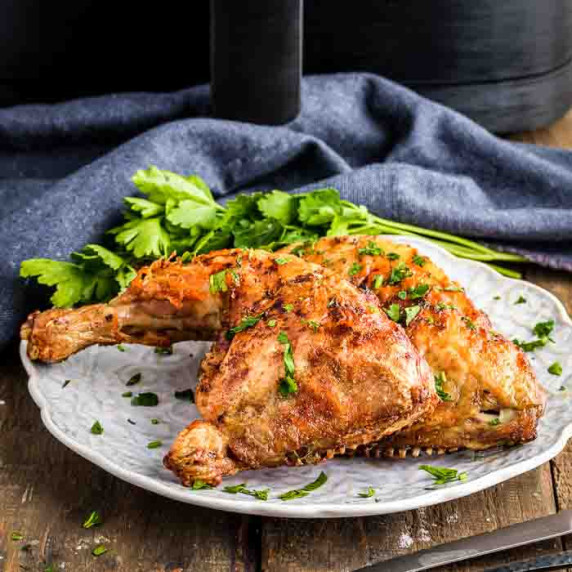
256 60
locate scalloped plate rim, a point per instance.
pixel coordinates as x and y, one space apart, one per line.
308 509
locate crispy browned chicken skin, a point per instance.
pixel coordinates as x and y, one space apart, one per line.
490 393
318 369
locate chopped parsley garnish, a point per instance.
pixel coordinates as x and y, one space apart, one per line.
393 312
304 491
120 347
399 273
370 250
312 324
377 281
494 422
469 323
453 289
154 444
555 368
185 395
393 255
402 295
97 428
281 261
521 300
418 291
272 323
127 394
355 269
261 494
99 550
544 329
440 379
442 306
368 493
66 383
155 421
198 485
245 323
147 399
419 260
411 313
16 536
443 475
288 307
288 384
92 520
496 297
133 380
530 346
218 283
167 351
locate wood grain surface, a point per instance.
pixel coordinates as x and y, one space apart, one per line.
46 491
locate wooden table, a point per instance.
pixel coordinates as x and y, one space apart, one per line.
46 491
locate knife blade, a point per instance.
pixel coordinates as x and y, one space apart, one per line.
503 539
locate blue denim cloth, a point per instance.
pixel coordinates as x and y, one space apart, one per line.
65 168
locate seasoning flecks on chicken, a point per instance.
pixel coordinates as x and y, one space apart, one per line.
489 392
305 364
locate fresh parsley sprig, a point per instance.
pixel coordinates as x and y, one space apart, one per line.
305 491
179 214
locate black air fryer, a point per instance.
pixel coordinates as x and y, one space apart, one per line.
506 64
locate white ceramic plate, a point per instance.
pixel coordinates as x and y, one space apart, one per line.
99 374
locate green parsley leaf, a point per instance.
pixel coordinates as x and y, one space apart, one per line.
555 368
185 395
154 444
440 379
245 323
494 422
16 536
402 295
127 394
312 324
189 214
368 493
370 250
304 491
147 399
496 297
97 428
288 384
355 269
281 261
418 291
393 312
120 347
66 383
92 520
143 207
99 550
198 485
261 494
319 207
544 329
443 475
164 351
272 323
453 289
469 323
419 260
521 300
143 237
217 282
411 313
133 380
278 205
377 281
399 273
393 256
155 421
288 307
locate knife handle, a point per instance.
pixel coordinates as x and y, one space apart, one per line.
548 562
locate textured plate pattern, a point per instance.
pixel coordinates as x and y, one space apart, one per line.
98 376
